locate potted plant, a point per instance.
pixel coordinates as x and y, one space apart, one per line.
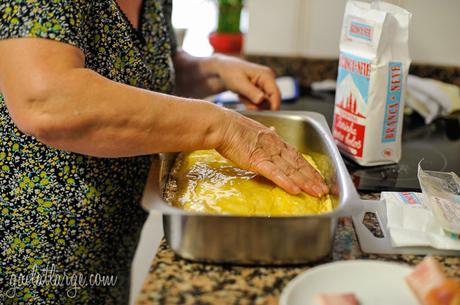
228 37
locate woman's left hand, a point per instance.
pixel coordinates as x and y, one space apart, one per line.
255 84
202 77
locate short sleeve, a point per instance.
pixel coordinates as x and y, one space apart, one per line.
167 11
59 20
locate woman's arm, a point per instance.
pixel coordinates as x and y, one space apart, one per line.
196 76
201 77
50 95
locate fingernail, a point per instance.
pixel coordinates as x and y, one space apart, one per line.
259 99
318 190
325 189
296 189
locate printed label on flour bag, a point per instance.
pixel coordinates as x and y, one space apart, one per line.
373 65
349 114
393 103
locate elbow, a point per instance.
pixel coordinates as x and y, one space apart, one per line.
54 130
27 123
37 113
24 108
44 127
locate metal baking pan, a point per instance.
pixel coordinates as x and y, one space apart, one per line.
266 240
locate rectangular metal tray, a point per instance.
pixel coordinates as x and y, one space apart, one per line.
279 240
265 240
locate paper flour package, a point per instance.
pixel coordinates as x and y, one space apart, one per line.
373 66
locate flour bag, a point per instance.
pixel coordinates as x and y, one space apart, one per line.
373 66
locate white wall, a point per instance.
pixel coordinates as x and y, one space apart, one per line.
273 27
435 33
311 28
320 31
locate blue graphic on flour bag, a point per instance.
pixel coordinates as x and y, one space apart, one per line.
359 70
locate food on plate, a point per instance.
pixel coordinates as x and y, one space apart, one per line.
426 276
431 286
336 299
448 293
204 181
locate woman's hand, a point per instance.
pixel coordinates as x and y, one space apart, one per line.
201 77
247 143
255 84
257 148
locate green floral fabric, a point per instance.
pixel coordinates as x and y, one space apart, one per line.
65 215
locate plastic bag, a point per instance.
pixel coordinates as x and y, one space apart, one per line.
442 191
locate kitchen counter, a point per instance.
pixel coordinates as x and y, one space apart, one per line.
172 280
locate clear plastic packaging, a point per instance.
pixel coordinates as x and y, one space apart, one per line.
442 191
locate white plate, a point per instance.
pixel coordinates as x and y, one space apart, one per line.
373 282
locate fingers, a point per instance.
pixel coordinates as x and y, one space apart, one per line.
255 147
251 92
259 85
281 159
267 82
303 175
291 179
314 184
270 171
311 180
265 105
318 183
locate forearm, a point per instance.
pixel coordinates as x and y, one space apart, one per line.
51 96
197 77
86 113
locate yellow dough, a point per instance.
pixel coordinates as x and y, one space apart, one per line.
207 182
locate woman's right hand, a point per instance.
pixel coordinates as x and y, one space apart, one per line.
254 147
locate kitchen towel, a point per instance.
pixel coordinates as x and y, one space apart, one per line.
428 97
432 98
411 223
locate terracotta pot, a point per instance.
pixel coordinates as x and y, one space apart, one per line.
229 43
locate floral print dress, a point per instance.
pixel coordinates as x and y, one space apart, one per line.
66 218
